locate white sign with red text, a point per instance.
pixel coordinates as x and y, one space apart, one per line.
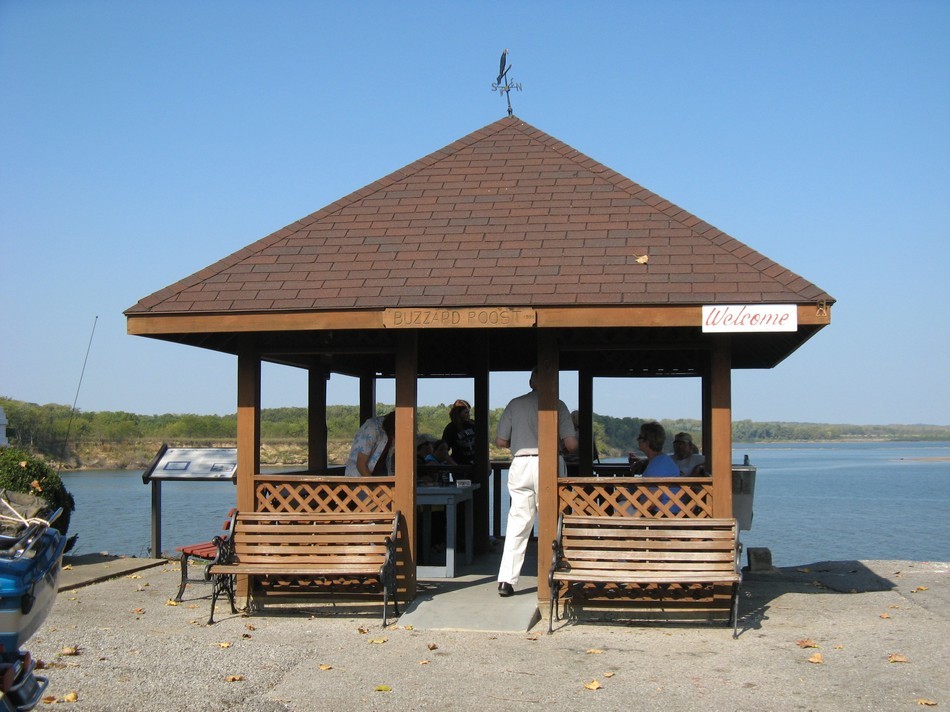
750 317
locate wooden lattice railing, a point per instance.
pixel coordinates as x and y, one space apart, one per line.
284 492
655 497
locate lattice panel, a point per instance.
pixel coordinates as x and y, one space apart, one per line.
323 494
634 497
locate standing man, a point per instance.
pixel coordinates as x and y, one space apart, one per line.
518 431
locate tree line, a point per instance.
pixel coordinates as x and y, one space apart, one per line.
55 430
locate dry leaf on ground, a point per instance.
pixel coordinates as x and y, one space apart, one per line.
885 615
379 641
806 643
593 685
897 658
594 651
69 650
234 678
926 702
817 659
224 644
324 667
382 688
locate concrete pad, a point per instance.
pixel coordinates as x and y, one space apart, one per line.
471 602
87 569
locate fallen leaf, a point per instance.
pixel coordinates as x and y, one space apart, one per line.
806 643
362 631
224 644
926 703
432 646
379 641
423 662
609 674
50 699
918 589
532 637
594 651
71 697
816 658
35 484
234 678
593 685
134 576
246 636
382 688
67 567
885 615
408 627
643 259
897 658
69 650
324 667
839 647
171 602
138 611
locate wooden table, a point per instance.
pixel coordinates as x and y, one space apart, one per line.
449 497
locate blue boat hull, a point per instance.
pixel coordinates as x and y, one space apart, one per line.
28 587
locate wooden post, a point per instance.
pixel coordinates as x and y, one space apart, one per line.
481 502
317 420
548 447
585 410
721 426
367 397
248 437
407 374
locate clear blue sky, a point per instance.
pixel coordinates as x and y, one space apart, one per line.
142 141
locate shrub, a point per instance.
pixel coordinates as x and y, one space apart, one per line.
20 471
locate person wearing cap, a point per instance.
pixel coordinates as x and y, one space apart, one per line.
687 457
460 433
518 431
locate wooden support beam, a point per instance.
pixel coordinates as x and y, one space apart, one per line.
548 446
248 436
317 419
407 374
721 426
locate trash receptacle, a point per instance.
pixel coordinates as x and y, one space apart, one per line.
743 490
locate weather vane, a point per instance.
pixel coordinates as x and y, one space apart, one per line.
506 87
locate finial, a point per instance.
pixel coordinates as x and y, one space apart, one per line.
506 87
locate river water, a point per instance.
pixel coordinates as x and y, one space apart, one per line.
813 502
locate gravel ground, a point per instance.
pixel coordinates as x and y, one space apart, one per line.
134 651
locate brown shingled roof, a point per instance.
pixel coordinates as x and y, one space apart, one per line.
504 216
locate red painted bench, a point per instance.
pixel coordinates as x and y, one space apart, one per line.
206 551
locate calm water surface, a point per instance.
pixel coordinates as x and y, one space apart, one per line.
813 502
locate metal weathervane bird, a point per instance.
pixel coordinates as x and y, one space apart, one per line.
506 87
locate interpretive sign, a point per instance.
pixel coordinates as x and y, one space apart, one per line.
750 317
209 463
473 318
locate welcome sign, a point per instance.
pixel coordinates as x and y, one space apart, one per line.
723 318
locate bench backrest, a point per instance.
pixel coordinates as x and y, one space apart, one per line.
640 544
344 541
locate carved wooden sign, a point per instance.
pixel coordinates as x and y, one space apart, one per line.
471 318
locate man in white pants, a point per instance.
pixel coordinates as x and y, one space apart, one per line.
518 430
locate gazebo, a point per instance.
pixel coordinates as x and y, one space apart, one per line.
503 251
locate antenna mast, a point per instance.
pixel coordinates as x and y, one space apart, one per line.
506 87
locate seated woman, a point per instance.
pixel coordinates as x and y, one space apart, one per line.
651 439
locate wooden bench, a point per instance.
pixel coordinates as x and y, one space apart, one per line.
206 550
335 547
640 550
